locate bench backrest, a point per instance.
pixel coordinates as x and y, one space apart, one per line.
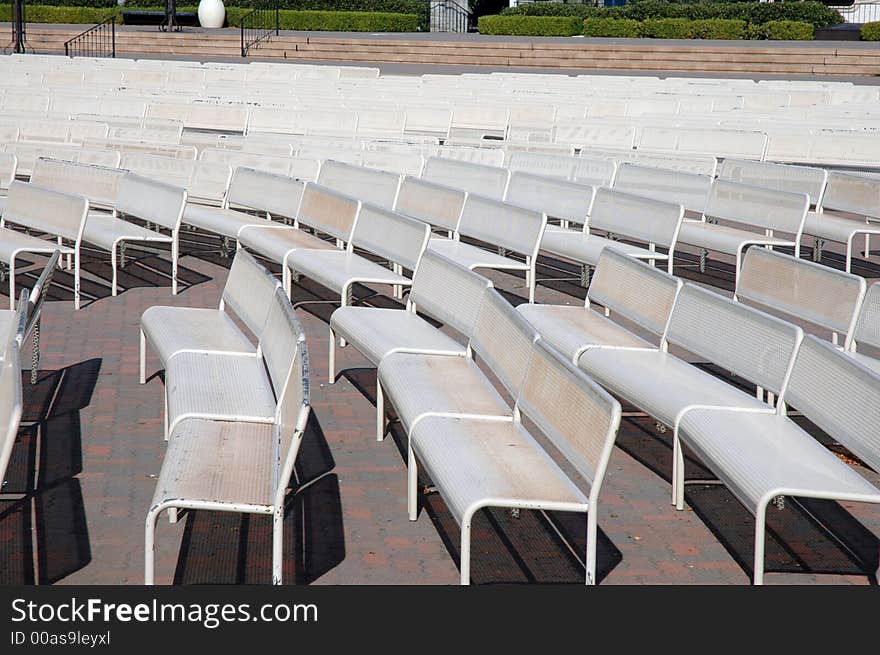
151 200
592 135
366 184
203 180
754 345
10 405
428 120
328 211
8 163
293 408
278 340
560 199
390 235
714 142
503 338
867 328
249 291
578 417
57 213
448 291
636 217
634 289
488 181
278 195
852 193
402 163
689 190
818 294
839 395
502 224
97 183
238 159
435 204
782 177
541 164
757 206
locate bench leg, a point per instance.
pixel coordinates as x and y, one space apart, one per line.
412 485
531 274
150 547
277 543
849 248
592 531
12 284
165 395
466 550
142 374
35 352
75 279
760 530
113 264
175 256
332 356
380 412
677 473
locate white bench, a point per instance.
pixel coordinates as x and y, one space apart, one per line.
60 215
763 456
654 222
622 286
501 224
240 466
206 182
8 164
378 188
435 204
583 170
867 330
489 463
690 190
743 144
488 181
759 215
568 202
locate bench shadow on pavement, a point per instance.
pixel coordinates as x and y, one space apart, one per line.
43 530
228 548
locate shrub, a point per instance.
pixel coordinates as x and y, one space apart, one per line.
720 28
806 11
785 30
665 28
50 14
612 27
530 25
871 31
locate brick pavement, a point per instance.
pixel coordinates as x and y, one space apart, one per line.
97 447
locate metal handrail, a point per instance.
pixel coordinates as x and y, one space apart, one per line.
96 41
259 25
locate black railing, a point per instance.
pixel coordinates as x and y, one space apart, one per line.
19 31
450 16
97 41
259 25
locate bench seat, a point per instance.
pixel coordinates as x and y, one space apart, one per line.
661 384
8 325
377 332
472 256
226 222
217 461
192 389
430 385
837 228
173 330
337 269
572 329
586 248
13 242
276 242
768 455
491 463
866 360
722 238
106 231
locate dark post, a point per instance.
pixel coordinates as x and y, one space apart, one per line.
277 18
18 26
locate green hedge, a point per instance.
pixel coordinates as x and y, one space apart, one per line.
756 13
720 28
783 30
625 28
530 25
665 28
871 31
334 21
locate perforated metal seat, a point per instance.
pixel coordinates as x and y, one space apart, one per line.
277 242
106 231
586 248
661 384
758 451
723 238
425 385
225 222
472 256
500 464
837 228
377 332
337 269
571 329
12 243
179 329
218 461
194 389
